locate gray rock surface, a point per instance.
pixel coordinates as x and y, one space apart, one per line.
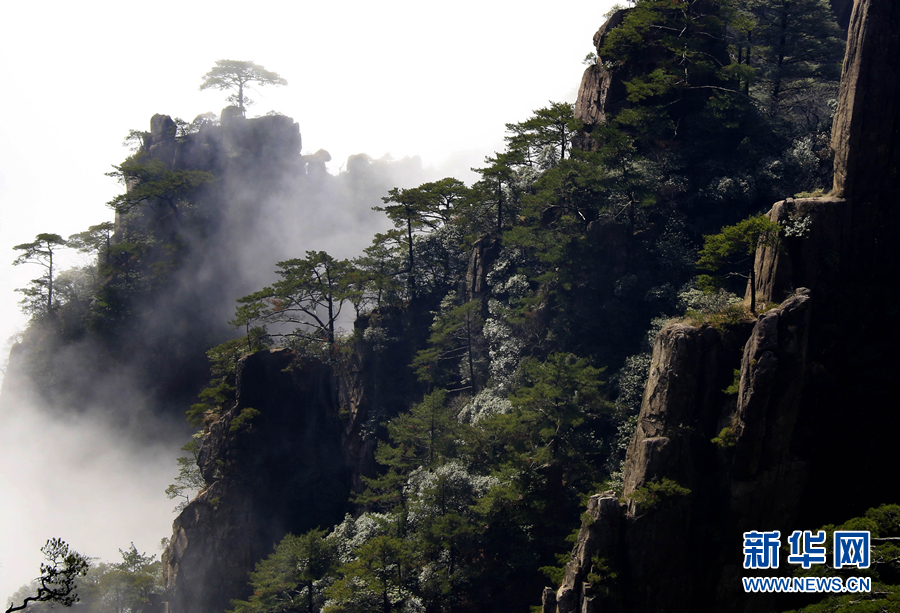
867 121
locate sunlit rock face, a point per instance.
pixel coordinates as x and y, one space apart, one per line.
601 92
867 123
814 374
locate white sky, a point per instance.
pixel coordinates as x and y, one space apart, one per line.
398 77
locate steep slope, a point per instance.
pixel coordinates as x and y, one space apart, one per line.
814 407
282 470
283 458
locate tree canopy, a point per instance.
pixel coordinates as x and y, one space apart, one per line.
58 576
236 75
741 240
152 183
40 251
310 296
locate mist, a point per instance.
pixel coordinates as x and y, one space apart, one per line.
92 468
90 452
78 478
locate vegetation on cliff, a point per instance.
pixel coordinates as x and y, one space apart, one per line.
541 286
483 477
883 525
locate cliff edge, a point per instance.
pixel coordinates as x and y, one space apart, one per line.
813 378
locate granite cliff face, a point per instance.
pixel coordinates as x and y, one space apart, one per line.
290 464
601 92
281 469
814 377
274 139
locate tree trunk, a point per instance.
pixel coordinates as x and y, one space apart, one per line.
412 278
50 279
499 207
753 284
782 46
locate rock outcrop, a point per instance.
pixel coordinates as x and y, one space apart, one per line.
601 92
275 464
813 377
270 141
866 132
285 457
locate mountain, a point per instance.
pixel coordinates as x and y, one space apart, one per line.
521 347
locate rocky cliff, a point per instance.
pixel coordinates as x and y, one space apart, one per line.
285 457
274 463
813 407
270 140
601 93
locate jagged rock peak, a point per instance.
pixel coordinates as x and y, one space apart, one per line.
271 140
601 91
162 129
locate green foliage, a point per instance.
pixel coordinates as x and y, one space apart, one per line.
735 245
793 47
726 317
556 574
682 43
656 494
630 179
735 385
130 582
96 239
727 438
39 295
136 140
743 238
57 583
425 436
375 274
426 208
884 524
236 75
119 587
310 296
153 184
189 478
561 394
454 351
292 579
493 201
543 138
243 420
481 479
601 574
223 360
378 580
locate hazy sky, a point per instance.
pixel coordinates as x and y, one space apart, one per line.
404 78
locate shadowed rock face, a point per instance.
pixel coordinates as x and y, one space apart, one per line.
282 471
815 375
290 468
273 141
677 550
